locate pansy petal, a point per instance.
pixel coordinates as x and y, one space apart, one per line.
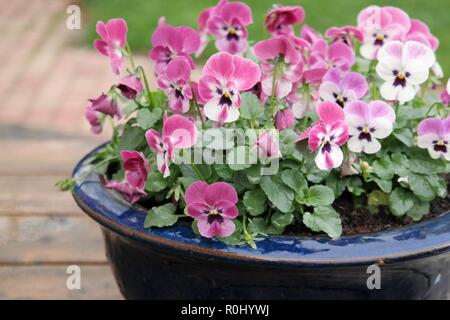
378 109
328 91
219 66
330 112
382 128
329 160
227 209
181 131
246 73
198 210
417 56
178 69
220 191
430 126
154 140
117 31
355 82
196 192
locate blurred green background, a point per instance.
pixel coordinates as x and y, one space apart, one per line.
142 16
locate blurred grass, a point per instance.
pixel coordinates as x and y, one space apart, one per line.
142 16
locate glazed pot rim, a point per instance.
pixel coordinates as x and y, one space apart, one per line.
414 241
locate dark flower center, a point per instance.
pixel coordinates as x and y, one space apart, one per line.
340 100
379 39
214 215
400 78
225 98
366 134
179 94
232 34
326 146
440 146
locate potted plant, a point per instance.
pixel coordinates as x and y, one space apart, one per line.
290 168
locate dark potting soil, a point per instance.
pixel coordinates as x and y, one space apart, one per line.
361 220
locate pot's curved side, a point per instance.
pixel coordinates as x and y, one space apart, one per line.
175 263
149 272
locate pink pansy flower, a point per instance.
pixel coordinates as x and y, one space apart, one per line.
175 82
367 123
345 35
381 25
130 86
310 35
113 39
267 145
228 24
177 133
342 88
434 135
445 95
136 171
131 193
284 119
328 135
223 77
213 206
172 42
421 33
202 21
279 53
403 67
279 21
97 108
322 58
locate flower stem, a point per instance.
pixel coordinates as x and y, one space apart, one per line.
197 109
130 56
147 87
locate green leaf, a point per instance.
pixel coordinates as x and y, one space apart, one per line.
259 226
427 166
132 138
155 182
336 183
255 202
146 119
324 219
377 198
223 171
419 210
438 184
251 108
319 195
294 180
218 139
405 136
281 220
187 181
280 195
401 201
420 186
240 158
163 216
384 168
287 139
254 174
385 185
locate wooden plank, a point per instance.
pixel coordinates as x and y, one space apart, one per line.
35 196
38 157
49 282
38 240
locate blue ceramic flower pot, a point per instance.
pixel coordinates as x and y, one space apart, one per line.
174 263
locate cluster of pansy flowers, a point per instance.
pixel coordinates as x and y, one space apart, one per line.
295 75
